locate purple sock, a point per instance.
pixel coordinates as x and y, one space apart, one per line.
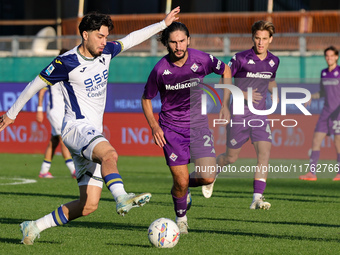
313 161
180 205
259 186
338 160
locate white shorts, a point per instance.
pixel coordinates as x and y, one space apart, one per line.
81 138
55 132
92 176
55 117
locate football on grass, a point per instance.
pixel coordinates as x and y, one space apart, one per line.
163 233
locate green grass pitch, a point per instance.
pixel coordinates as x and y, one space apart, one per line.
303 219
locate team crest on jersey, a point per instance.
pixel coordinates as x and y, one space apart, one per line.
194 67
173 157
166 72
251 62
102 60
271 63
233 142
90 132
49 69
336 73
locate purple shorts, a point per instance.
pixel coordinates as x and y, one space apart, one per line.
329 122
240 129
183 144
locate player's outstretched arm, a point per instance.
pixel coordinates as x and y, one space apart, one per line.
5 121
143 34
31 89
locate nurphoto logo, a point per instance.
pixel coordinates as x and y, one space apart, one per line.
238 105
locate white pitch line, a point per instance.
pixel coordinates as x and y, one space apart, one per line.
18 181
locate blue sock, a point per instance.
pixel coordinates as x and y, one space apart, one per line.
115 184
59 216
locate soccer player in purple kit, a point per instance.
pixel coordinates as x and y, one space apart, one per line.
329 120
82 74
255 68
182 131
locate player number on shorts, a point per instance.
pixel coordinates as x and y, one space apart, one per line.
269 131
336 126
209 141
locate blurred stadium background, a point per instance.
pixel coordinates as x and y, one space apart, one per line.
30 38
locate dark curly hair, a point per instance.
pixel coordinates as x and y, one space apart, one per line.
164 37
93 21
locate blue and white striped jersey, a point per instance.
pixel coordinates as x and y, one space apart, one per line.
83 82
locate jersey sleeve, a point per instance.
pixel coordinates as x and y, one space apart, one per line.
215 65
113 48
30 90
277 66
234 64
56 71
141 35
151 86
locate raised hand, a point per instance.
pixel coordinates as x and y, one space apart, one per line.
171 16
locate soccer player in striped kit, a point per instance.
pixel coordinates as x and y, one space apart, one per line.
55 114
82 73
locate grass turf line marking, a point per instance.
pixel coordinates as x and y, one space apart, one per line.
19 181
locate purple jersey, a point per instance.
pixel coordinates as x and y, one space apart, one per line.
330 88
176 85
329 120
250 71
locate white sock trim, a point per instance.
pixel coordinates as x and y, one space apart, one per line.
256 196
183 218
